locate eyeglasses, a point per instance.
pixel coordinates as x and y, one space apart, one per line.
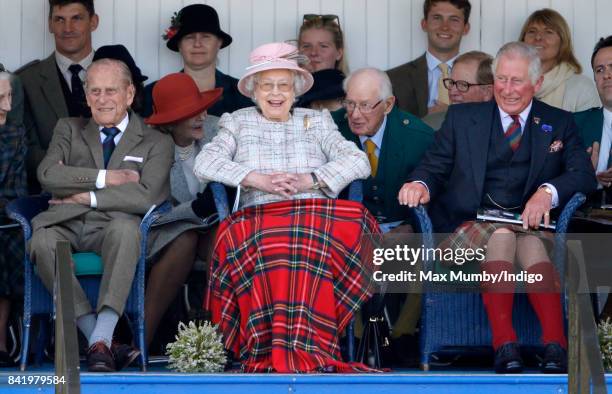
462 86
324 18
283 86
364 108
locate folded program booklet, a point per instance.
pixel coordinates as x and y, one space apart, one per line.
498 215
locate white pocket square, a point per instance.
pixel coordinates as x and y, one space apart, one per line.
133 158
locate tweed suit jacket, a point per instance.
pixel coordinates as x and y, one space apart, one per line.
44 106
76 143
454 169
410 86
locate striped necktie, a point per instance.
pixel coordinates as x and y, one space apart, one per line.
371 152
442 91
108 145
513 133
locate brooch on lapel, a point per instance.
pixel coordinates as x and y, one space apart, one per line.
556 146
536 120
306 122
547 128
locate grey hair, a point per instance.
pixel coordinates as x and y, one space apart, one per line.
525 51
385 89
298 84
6 76
124 71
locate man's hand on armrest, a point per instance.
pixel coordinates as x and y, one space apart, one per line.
413 194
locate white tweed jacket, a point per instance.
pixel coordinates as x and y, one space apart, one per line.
308 142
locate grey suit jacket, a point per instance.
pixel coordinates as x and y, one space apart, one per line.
44 105
76 143
410 86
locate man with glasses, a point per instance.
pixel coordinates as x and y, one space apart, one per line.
471 81
521 155
418 84
394 141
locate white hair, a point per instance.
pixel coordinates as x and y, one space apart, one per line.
385 90
298 84
522 50
6 76
124 71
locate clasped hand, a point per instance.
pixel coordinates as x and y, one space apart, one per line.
281 183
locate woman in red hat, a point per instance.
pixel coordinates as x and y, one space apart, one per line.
195 33
182 235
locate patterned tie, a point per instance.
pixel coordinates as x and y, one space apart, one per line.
108 145
513 133
442 91
78 94
371 152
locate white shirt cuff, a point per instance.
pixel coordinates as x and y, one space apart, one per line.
555 195
424 184
93 202
101 179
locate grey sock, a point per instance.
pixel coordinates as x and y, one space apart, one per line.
105 326
86 324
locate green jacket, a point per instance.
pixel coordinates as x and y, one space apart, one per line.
405 141
590 125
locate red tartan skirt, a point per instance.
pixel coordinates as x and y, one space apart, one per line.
286 280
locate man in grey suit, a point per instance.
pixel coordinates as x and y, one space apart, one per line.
104 173
417 85
53 87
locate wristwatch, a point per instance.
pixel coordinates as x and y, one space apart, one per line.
315 182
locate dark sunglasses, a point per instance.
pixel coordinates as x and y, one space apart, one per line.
324 18
2 69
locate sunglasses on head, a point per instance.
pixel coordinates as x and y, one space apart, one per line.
2 69
324 18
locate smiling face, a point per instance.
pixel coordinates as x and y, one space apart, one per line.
189 130
445 26
5 99
318 45
274 94
364 89
71 26
546 41
108 94
467 71
199 50
513 89
602 70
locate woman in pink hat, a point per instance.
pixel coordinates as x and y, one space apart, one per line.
182 235
287 275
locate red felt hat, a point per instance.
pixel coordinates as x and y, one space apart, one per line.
176 97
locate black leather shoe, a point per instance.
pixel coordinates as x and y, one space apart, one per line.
555 359
124 354
100 358
508 358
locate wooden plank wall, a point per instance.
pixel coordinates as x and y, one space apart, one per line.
381 33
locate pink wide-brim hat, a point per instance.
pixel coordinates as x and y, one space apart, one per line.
275 56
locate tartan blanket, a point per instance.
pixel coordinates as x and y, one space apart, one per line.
287 278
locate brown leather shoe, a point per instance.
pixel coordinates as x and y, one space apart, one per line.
100 358
124 354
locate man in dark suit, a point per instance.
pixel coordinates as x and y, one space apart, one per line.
104 174
53 86
595 124
417 85
518 154
395 142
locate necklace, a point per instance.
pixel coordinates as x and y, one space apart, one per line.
185 152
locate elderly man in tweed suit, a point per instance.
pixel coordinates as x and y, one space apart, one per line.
104 173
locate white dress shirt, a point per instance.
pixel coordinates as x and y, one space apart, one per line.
606 141
63 63
377 138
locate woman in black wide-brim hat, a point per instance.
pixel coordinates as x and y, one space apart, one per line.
195 33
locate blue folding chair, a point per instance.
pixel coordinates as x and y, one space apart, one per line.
453 322
88 268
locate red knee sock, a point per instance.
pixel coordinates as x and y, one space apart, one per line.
498 299
545 298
